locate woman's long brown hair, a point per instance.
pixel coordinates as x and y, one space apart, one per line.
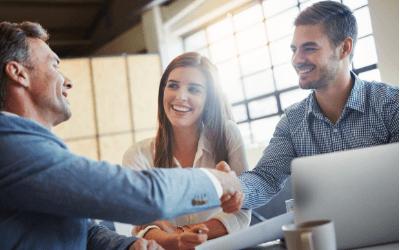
216 112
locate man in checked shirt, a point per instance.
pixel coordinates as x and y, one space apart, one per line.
343 112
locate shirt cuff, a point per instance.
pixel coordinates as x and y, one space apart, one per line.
246 193
235 221
144 231
217 185
230 223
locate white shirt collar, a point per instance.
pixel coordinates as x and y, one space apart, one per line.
203 144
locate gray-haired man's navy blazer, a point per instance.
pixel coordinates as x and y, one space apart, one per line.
47 193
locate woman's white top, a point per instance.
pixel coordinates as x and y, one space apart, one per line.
140 156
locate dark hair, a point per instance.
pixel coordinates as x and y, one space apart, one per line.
215 113
337 19
14 47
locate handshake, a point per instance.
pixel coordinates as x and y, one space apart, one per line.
233 196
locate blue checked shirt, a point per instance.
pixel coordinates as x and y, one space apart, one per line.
370 118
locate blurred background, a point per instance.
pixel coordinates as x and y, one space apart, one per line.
116 50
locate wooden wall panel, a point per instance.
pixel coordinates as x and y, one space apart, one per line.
86 147
144 77
82 122
111 94
113 147
105 108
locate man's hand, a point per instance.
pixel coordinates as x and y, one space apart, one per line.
143 244
228 179
233 197
231 204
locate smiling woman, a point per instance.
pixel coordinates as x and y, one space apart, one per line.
195 131
198 73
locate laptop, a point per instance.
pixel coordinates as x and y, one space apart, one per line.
358 189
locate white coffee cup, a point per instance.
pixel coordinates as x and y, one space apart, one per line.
310 235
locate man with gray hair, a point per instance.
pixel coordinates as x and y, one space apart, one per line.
47 192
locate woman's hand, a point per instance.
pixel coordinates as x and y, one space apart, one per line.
143 244
162 224
192 237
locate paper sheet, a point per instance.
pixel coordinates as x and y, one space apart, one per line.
265 231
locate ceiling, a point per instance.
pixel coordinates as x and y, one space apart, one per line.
78 27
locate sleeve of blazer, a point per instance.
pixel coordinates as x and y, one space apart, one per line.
99 237
38 173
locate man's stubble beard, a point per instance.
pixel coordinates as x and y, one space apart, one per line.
328 74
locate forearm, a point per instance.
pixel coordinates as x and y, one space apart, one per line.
268 177
222 223
260 189
164 239
58 182
394 128
216 228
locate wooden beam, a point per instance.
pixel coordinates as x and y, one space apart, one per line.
102 12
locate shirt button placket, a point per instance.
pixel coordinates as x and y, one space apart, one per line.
337 140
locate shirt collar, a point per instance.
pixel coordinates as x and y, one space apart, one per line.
203 142
8 113
357 96
203 145
313 106
355 101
